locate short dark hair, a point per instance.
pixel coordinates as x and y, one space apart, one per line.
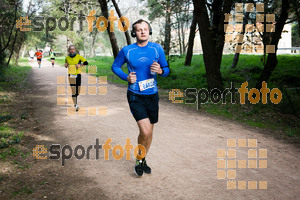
139 22
71 46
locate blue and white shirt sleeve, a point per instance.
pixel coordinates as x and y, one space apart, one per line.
116 67
163 62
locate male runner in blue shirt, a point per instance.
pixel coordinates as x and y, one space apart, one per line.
144 60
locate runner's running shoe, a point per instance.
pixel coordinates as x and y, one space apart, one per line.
146 168
138 169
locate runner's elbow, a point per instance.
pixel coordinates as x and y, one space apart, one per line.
166 71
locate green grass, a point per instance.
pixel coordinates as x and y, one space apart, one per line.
13 77
8 138
248 69
24 190
59 60
11 152
21 165
12 83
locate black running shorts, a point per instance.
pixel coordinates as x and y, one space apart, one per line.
77 84
143 106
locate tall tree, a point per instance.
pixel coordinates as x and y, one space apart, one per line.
296 9
94 37
22 35
166 9
127 36
273 39
7 26
179 33
12 49
167 28
183 36
112 37
212 37
237 55
179 8
189 54
183 18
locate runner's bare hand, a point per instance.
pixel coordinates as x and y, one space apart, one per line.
131 78
155 67
78 65
66 65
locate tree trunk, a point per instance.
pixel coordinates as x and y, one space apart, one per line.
17 53
178 30
19 46
12 47
168 29
237 55
112 37
275 37
92 52
120 15
183 37
23 52
212 38
296 5
11 30
184 22
189 54
67 45
84 48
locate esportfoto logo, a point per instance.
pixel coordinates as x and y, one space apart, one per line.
215 95
229 163
66 152
234 28
64 23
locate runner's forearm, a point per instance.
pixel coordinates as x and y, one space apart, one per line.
118 71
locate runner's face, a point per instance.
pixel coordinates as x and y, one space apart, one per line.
72 50
142 31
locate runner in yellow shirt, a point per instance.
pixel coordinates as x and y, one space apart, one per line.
74 62
52 57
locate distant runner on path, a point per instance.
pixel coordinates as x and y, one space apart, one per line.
39 55
74 62
52 57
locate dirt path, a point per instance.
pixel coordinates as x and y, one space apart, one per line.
183 155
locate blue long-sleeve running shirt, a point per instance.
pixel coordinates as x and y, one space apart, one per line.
139 59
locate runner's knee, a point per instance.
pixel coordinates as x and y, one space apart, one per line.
146 133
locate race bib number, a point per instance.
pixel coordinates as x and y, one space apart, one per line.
73 76
146 84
